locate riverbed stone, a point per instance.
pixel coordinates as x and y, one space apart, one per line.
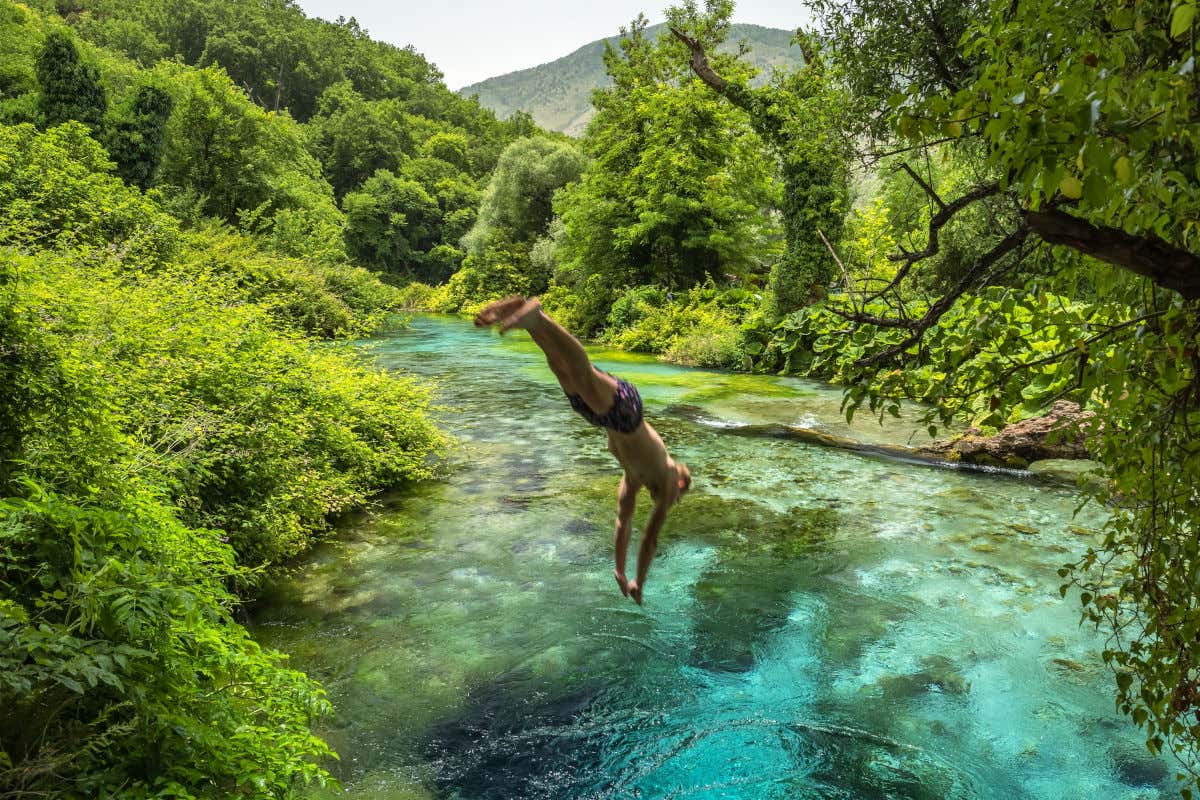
939 674
1136 766
1068 472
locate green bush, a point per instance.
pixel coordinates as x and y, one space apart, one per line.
122 671
255 432
494 274
327 300
698 328
713 341
56 190
416 296
631 307
165 431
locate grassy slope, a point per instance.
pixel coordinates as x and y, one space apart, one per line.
559 94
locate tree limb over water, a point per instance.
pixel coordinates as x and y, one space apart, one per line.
1067 267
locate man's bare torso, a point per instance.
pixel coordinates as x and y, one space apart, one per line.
644 458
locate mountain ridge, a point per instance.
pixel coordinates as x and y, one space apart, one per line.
558 93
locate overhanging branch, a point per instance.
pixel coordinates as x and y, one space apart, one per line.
1168 266
981 272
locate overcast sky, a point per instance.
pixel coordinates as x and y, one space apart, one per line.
470 40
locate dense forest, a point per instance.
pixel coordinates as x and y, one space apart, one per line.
983 206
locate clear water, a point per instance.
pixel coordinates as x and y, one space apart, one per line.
817 624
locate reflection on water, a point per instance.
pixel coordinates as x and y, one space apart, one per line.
817 625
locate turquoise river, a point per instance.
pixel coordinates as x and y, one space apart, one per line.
818 624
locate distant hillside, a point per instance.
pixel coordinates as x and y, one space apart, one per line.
559 94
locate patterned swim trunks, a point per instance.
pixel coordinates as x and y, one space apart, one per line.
625 415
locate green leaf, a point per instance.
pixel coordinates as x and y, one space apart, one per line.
1181 20
1071 187
1123 169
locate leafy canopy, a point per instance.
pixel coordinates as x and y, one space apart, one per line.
676 183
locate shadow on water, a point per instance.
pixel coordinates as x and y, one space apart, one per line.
574 745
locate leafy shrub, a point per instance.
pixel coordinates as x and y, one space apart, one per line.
256 433
582 309
490 276
330 300
56 190
699 328
297 232
416 296
631 307
164 432
713 341
122 671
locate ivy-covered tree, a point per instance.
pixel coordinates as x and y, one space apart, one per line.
70 88
136 140
801 115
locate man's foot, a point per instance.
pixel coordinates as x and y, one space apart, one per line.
635 592
499 310
623 582
524 317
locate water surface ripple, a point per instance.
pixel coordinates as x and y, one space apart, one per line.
817 624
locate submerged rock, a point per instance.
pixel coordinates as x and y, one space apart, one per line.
1057 435
1068 471
938 675
1135 766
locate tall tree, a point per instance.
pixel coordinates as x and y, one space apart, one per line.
70 88
354 137
677 182
237 157
517 205
391 223
1080 123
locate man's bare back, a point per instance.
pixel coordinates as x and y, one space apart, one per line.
615 405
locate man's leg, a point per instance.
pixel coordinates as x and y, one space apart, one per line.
646 550
626 503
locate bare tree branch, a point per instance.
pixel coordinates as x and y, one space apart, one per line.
936 223
1150 256
832 252
983 269
923 184
699 63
